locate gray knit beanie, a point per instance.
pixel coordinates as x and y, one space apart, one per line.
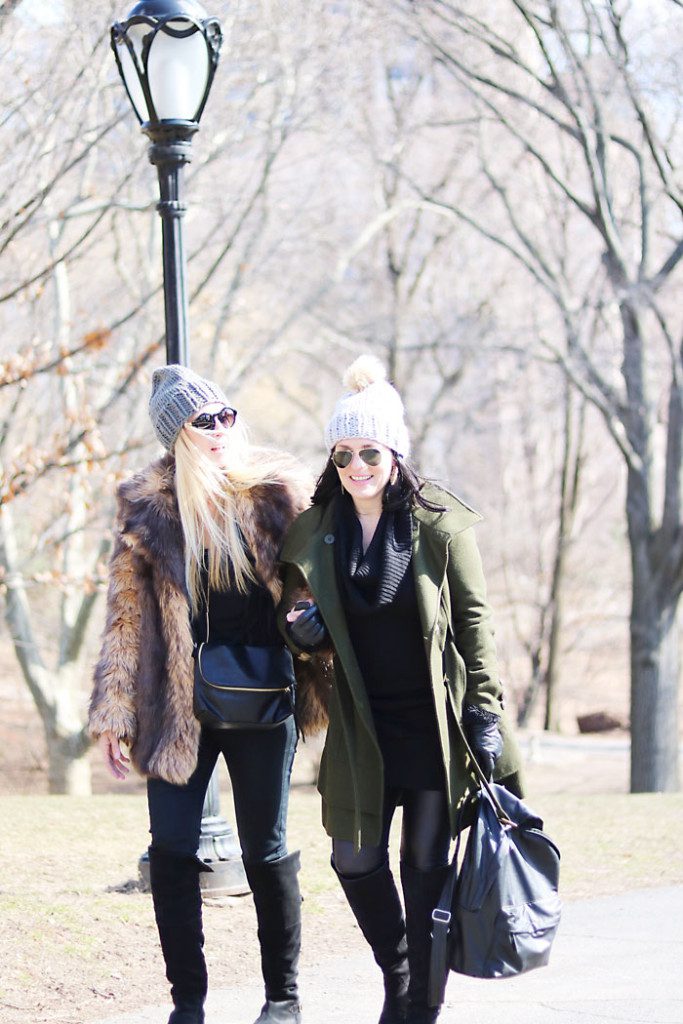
371 408
177 392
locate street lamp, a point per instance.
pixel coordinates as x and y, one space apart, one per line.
167 53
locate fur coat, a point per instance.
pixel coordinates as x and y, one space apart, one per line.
144 676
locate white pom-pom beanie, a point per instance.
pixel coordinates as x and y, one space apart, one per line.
370 408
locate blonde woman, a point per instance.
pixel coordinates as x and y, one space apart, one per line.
197 537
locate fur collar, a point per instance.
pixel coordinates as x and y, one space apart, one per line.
150 524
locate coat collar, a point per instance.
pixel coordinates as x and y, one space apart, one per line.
457 516
150 523
431 546
149 520
316 528
310 546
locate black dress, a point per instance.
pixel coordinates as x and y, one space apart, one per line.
380 602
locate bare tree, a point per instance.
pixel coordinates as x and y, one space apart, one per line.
80 304
553 535
340 169
560 84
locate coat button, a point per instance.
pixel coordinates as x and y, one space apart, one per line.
328 538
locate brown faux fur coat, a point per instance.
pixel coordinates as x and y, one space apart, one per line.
144 677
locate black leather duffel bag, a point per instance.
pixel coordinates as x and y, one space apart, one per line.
499 912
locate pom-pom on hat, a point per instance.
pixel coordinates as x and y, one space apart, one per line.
371 408
177 392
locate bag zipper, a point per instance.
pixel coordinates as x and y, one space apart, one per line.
247 689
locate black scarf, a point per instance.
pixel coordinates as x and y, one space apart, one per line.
370 581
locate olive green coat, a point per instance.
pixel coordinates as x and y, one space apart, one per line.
455 617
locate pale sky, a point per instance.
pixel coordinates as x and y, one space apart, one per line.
47 12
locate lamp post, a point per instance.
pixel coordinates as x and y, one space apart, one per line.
167 52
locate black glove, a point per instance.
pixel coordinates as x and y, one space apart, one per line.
483 735
308 631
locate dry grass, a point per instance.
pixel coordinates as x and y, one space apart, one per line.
77 938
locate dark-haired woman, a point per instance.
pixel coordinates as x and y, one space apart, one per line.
393 579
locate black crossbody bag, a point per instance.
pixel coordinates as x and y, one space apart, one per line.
242 686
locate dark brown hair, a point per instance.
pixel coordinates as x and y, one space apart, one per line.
406 491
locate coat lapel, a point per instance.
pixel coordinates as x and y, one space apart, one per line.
315 559
430 564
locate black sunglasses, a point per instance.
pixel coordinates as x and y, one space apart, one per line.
370 456
209 420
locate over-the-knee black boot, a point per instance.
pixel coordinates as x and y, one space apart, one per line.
377 908
421 891
178 910
277 899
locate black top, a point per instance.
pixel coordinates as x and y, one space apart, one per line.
380 603
236 618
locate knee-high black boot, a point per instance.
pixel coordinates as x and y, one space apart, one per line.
178 910
277 899
377 908
421 891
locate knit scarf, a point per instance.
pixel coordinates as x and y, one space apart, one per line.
371 580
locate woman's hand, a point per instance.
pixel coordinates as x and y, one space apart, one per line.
483 736
305 626
114 758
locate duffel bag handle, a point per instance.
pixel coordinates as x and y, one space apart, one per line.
481 776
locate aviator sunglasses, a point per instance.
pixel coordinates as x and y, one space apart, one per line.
210 420
370 456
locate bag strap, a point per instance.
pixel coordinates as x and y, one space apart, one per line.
503 818
438 958
441 926
481 777
442 913
198 644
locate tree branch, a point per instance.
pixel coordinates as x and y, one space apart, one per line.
612 420
663 162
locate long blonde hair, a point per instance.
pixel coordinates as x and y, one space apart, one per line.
210 501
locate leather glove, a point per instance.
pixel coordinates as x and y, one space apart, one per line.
308 631
483 736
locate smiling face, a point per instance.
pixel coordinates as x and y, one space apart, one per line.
365 483
215 443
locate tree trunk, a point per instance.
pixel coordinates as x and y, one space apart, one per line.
550 718
548 647
67 739
655 665
68 768
572 464
655 588
55 692
530 697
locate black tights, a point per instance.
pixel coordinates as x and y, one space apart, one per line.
425 835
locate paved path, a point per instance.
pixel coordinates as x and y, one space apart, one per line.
615 959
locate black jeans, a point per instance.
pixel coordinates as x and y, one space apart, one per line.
425 835
260 765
